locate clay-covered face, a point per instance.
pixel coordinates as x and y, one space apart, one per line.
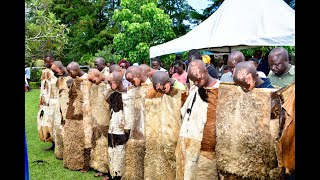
197 75
73 73
245 80
57 71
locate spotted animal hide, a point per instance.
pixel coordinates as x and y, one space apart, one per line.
245 146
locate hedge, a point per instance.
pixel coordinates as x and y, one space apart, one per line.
35 85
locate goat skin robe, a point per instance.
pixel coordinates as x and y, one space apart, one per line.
78 127
61 108
245 144
135 147
162 125
45 116
100 113
195 152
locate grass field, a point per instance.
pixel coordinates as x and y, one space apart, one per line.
53 169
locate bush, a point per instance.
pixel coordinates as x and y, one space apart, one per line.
35 75
35 85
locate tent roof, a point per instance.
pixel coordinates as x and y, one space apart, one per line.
236 25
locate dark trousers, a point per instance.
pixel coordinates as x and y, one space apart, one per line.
29 88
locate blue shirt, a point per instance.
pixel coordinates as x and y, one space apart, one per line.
265 84
27 72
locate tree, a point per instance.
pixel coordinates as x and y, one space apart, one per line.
180 12
142 25
43 32
91 25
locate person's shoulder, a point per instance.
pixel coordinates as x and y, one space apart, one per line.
292 69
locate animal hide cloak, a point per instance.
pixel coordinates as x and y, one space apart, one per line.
162 125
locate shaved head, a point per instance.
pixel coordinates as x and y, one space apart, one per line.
159 79
73 69
95 76
115 67
147 70
279 61
115 80
245 75
58 68
234 58
134 75
100 63
196 67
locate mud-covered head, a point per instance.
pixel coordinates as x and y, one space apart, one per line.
115 80
234 58
198 73
245 75
159 80
59 69
73 69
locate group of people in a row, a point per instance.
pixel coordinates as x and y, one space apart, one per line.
194 86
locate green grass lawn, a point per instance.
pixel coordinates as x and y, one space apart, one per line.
54 168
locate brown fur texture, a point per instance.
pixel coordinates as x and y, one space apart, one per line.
100 114
286 144
208 142
79 122
162 124
244 144
135 147
187 154
73 152
135 152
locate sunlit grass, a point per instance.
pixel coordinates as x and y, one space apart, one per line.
53 169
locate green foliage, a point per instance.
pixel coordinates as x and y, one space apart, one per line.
35 85
266 49
43 32
35 75
142 25
91 26
180 12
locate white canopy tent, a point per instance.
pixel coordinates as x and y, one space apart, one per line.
236 25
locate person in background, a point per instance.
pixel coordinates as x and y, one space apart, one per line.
124 64
27 73
255 62
282 72
211 70
220 68
100 64
156 64
245 75
179 73
233 59
263 64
